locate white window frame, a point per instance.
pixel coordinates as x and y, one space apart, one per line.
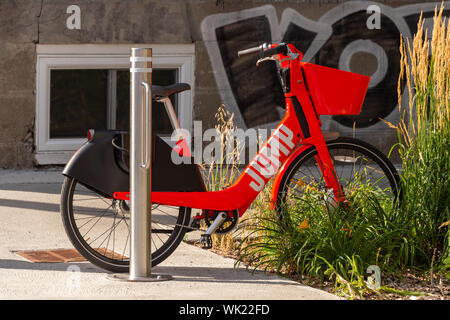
89 56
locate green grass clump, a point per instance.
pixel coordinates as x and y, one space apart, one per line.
316 238
424 144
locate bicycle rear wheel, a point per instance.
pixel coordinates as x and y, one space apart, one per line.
357 165
99 227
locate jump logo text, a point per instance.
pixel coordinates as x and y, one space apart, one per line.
267 162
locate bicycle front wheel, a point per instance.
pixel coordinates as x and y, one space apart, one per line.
357 164
99 227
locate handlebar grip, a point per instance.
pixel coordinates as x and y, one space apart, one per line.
281 48
250 51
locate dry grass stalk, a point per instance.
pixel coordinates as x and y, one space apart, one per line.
424 133
221 171
427 79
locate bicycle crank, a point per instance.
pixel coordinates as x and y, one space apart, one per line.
229 223
205 238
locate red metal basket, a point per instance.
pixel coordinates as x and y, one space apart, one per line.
335 92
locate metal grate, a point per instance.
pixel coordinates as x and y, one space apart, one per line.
62 255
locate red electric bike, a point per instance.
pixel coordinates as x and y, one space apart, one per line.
94 198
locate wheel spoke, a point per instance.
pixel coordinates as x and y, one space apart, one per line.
99 227
355 166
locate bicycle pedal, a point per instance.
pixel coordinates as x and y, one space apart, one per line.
206 241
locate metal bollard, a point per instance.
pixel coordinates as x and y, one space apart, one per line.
140 168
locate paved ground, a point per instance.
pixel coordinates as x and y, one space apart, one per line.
29 220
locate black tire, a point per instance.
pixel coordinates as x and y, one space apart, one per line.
87 227
346 153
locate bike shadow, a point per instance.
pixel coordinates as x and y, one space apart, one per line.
179 273
222 275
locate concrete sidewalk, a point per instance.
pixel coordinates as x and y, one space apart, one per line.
30 220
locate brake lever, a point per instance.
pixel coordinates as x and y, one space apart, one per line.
291 55
264 59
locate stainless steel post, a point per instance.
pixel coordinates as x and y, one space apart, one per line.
140 176
140 168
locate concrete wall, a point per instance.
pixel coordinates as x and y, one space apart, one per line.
25 23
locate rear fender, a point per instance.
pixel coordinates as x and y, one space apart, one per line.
98 166
94 165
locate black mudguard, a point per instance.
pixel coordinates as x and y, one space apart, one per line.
99 166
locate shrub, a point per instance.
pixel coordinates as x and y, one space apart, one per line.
319 239
424 142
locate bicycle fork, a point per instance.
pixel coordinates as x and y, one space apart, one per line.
326 166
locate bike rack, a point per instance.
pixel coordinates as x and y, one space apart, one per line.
140 169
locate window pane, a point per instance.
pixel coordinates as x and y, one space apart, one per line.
161 122
78 102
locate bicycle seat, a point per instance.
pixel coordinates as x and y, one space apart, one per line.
165 91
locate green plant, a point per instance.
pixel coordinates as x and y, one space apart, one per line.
320 239
424 144
445 265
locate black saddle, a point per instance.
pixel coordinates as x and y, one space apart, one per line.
165 91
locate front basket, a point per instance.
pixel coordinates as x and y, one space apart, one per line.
335 92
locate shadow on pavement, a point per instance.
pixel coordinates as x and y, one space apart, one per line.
184 274
25 265
51 187
206 274
46 206
34 205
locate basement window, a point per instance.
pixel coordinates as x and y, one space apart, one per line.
82 99
81 87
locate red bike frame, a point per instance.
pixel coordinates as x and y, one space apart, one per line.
297 131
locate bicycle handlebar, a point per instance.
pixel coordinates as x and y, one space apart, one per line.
265 50
281 48
250 50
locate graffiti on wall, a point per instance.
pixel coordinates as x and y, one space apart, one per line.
337 39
